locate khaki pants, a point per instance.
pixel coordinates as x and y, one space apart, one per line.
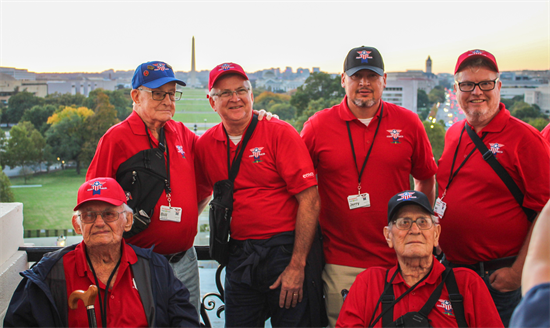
336 278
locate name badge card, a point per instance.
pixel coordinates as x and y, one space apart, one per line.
170 214
357 201
440 207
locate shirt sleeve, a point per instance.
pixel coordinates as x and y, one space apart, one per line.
479 308
308 136
103 163
353 312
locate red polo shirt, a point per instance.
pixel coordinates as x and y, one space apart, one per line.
124 304
546 133
483 221
127 138
275 166
354 237
479 308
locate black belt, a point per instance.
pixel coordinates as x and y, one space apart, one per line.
174 258
482 268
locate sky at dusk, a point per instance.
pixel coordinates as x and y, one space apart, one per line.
93 36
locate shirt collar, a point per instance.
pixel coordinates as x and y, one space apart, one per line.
138 126
346 114
432 278
219 132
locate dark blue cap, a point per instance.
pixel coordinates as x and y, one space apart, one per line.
408 197
154 74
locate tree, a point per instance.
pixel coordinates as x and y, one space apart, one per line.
65 99
6 195
437 95
67 133
24 147
284 110
120 99
38 116
19 103
523 110
538 123
422 100
104 117
313 107
436 135
318 85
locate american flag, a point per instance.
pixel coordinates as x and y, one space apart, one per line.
363 54
406 195
160 67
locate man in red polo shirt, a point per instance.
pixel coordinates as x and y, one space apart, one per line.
137 288
275 208
364 150
483 225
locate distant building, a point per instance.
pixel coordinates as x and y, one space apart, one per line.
9 86
540 97
402 93
18 74
192 81
429 65
83 86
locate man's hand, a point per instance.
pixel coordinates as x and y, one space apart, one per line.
261 113
291 282
505 279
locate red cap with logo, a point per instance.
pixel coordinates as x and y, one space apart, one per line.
473 54
103 189
223 69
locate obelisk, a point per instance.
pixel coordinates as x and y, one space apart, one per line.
192 81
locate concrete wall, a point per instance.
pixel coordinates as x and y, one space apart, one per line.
12 261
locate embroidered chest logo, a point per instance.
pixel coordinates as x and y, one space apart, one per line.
446 306
256 153
364 56
96 188
406 195
180 150
394 135
495 148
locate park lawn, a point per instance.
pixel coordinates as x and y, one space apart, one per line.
50 206
194 105
198 118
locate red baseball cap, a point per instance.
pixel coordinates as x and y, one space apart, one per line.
476 53
223 69
103 189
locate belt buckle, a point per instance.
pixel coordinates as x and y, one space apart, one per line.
482 271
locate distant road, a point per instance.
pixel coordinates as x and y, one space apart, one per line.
188 112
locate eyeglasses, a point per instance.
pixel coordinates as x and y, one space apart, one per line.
483 85
107 216
229 93
160 95
406 223
369 76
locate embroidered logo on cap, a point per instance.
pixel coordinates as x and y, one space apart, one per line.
495 148
145 73
364 55
446 306
394 135
477 52
256 153
225 67
161 67
96 188
406 195
180 150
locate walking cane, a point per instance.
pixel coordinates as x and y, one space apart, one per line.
88 298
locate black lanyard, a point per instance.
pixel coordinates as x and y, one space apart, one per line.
452 175
103 308
389 285
360 173
163 147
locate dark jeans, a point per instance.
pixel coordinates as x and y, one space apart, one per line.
505 302
250 304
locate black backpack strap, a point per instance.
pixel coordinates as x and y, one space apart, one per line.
237 160
432 300
456 299
387 299
500 171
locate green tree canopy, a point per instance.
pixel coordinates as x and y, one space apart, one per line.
19 103
120 99
65 99
313 107
318 85
437 94
67 133
436 135
6 195
285 111
38 116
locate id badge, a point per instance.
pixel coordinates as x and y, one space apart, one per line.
168 213
440 207
357 201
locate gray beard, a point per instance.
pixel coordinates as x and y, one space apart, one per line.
365 103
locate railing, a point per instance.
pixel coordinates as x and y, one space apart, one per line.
35 253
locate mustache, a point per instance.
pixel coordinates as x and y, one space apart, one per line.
367 89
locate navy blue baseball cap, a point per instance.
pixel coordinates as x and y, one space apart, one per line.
364 58
408 197
154 74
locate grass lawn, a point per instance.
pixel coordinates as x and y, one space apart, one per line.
197 118
50 206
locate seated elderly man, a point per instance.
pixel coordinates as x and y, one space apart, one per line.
419 291
142 290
